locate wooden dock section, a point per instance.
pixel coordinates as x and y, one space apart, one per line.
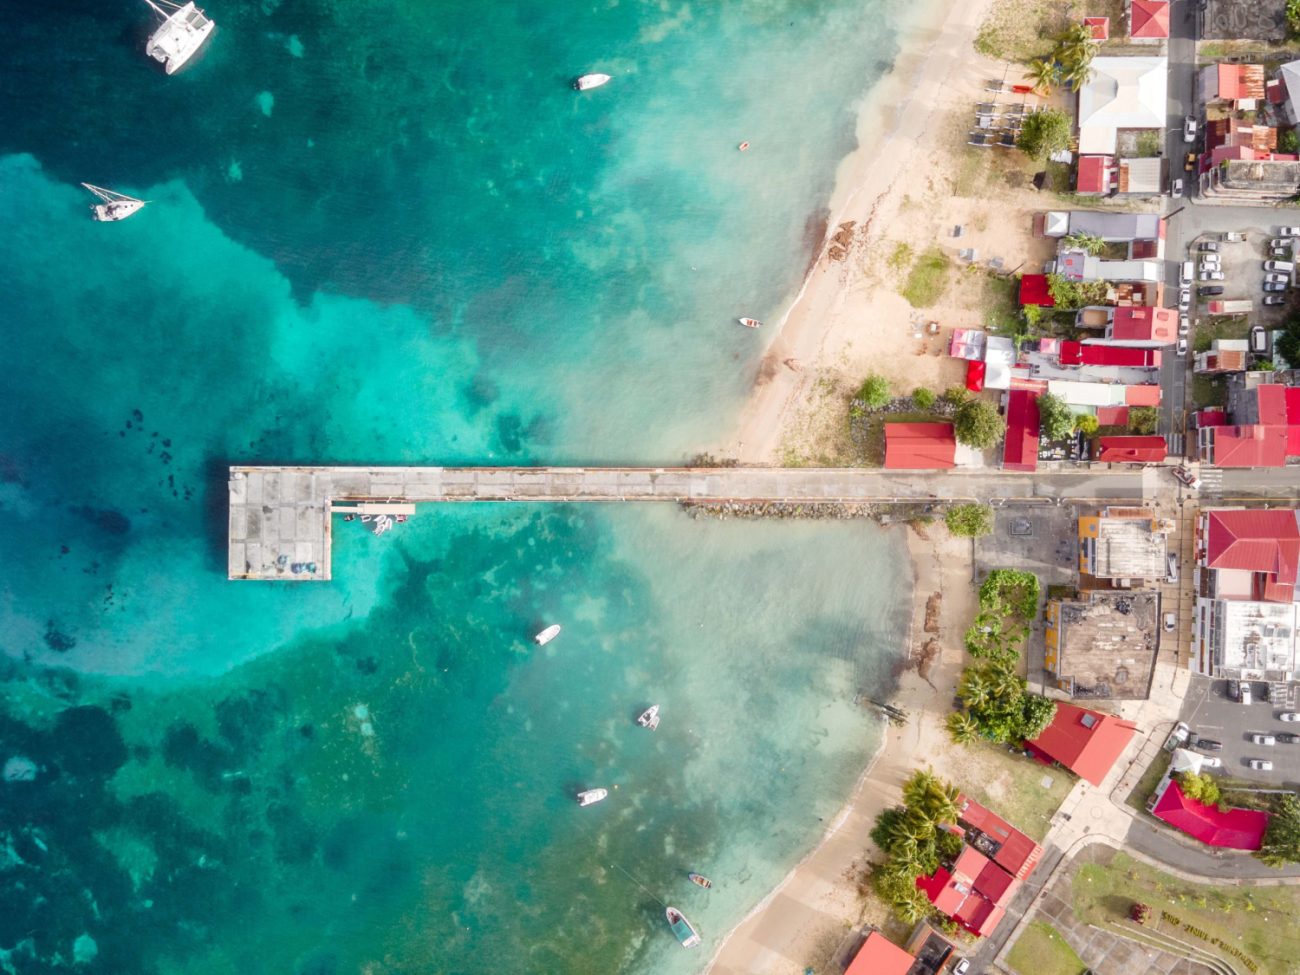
281 517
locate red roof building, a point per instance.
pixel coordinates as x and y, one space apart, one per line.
880 956
920 446
975 375
1132 450
1086 742
1020 451
1100 27
1152 326
1034 290
1264 543
1236 829
1015 852
1150 19
1094 354
1112 416
1251 445
1142 395
1094 175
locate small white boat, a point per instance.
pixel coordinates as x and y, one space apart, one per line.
649 717
180 35
683 928
699 880
382 524
115 206
590 81
547 635
591 796
749 322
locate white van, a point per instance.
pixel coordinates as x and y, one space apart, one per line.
1188 272
1245 692
1286 266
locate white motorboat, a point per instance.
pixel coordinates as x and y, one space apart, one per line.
649 718
683 928
590 81
115 206
749 322
591 796
180 35
547 635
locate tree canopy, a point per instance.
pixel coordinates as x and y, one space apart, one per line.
1287 345
1143 419
969 520
1282 837
978 424
1055 418
1044 132
914 842
1072 295
874 392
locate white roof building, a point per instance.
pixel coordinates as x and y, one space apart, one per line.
1290 74
1123 93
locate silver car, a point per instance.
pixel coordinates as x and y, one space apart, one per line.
1261 765
1263 739
1276 277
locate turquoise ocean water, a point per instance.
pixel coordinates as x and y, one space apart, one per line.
389 232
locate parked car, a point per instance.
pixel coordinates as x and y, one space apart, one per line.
1189 129
1274 300
1184 298
1184 325
1214 290
1261 764
962 967
1288 716
1171 622
1281 242
1209 246
1234 689
1178 188
1209 257
1171 568
1288 231
1286 266
1282 252
1182 346
1276 277
1181 732
1212 275
1186 271
1211 761
1259 739
1192 481
1233 237
1190 164
1289 737
1209 744
1245 697
1273 287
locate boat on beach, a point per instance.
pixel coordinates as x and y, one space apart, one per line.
589 81
683 928
590 797
115 206
649 718
749 322
547 635
700 880
180 35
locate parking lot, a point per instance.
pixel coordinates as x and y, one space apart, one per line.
1242 265
1210 713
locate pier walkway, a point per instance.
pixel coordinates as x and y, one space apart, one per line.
281 517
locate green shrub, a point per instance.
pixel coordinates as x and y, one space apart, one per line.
923 398
969 520
874 392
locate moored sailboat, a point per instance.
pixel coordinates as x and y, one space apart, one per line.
115 206
180 35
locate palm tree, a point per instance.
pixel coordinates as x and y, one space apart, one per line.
917 789
913 908
1042 72
974 689
1079 73
1005 683
963 728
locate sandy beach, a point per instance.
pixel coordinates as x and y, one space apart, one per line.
814 906
911 181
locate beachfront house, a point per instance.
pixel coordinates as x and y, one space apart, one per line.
1087 742
1123 97
1103 643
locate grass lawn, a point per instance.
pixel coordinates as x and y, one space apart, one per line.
1012 785
928 279
1261 922
1208 391
1219 327
1042 951
1019 30
1147 784
999 303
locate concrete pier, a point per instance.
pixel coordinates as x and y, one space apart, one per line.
280 517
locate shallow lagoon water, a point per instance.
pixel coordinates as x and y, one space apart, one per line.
390 233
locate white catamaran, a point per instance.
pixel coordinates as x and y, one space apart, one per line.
181 34
116 206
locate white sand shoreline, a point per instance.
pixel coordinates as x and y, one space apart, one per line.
895 130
